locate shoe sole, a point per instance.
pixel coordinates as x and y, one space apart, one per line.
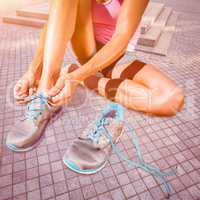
18 150
80 171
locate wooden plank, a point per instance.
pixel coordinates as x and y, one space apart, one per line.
164 42
163 18
151 13
151 37
32 13
37 23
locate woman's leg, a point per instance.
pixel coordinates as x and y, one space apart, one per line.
166 97
60 28
83 40
140 87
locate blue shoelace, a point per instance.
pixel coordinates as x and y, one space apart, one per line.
153 170
36 106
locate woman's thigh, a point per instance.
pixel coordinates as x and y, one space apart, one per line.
83 40
145 74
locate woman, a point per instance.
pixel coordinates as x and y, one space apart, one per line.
99 32
139 86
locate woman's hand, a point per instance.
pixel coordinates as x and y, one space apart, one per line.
63 90
26 86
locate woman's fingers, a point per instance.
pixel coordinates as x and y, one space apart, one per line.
60 84
62 97
21 88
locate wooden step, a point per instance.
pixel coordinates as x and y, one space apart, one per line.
151 14
163 44
151 37
32 13
37 23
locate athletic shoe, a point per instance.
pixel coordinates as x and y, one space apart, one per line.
28 130
90 152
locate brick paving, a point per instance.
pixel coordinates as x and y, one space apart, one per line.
167 141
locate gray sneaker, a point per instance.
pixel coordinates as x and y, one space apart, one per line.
28 130
90 152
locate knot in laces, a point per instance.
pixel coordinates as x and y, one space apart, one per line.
36 106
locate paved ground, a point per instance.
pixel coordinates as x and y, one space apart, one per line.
40 174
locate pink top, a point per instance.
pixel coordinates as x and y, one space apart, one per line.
104 21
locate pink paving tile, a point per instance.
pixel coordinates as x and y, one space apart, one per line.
47 192
149 181
32 184
6 169
46 180
5 192
100 187
73 183
185 195
58 176
85 180
112 183
129 191
194 191
146 195
44 169
5 180
186 180
32 162
34 195
117 194
20 197
123 179
62 197
56 166
88 191
105 196
19 177
60 188
19 166
177 185
97 177
157 193
76 194
19 188
32 173
139 186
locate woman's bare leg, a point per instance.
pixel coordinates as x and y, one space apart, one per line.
166 96
60 28
148 90
83 40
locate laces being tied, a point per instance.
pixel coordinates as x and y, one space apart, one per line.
36 105
153 170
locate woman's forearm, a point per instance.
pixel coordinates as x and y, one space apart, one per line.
103 58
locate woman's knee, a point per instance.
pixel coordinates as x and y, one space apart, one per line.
168 104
